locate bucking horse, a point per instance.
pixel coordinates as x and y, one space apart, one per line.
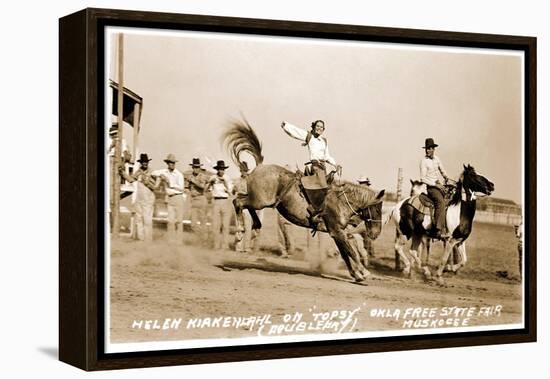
412 223
273 186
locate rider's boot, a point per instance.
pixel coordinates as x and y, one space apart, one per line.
316 205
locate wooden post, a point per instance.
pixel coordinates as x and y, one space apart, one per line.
118 141
399 192
137 110
135 143
398 195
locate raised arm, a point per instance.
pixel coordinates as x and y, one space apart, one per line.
294 131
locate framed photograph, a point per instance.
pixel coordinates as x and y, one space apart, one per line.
241 189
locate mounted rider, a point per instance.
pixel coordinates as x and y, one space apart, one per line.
317 145
430 170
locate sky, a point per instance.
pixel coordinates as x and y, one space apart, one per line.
379 102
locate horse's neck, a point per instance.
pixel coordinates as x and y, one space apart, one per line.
457 196
361 198
467 207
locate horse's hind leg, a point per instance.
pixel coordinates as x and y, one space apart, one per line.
427 242
428 245
416 250
256 222
400 255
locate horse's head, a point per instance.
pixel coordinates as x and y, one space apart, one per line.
474 182
372 216
417 187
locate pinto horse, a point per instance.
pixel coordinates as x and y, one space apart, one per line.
412 224
273 186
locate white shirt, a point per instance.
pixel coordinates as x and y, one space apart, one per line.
430 170
221 188
318 146
175 180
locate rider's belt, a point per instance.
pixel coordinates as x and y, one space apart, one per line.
221 198
174 194
318 163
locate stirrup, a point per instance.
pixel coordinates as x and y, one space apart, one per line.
314 220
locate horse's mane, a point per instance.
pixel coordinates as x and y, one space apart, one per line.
359 192
457 196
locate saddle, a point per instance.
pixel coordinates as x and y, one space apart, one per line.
425 205
314 186
422 203
311 180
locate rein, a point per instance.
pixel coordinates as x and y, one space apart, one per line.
369 219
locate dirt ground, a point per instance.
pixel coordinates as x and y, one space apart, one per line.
151 283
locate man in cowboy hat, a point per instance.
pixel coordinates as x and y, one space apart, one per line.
430 170
144 197
318 156
196 184
174 185
363 180
222 208
247 241
361 236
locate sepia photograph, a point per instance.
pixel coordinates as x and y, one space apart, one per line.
271 189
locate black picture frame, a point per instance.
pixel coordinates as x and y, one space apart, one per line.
81 288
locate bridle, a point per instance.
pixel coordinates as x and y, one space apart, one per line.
366 215
366 211
469 195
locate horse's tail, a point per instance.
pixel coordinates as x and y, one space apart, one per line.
240 137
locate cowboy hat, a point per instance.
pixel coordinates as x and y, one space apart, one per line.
196 163
113 130
143 158
220 165
363 179
429 143
170 158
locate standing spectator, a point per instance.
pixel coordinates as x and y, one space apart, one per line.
111 142
221 187
173 179
145 197
367 242
247 241
197 183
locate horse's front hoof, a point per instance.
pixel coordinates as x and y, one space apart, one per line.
427 273
359 277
